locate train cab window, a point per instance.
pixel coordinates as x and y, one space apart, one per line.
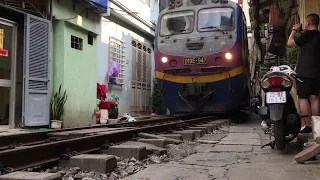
214 19
177 23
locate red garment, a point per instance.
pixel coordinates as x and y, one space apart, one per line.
102 90
106 105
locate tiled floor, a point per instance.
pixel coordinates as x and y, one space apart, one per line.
5 130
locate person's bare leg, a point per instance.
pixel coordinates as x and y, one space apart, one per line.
315 105
305 110
303 122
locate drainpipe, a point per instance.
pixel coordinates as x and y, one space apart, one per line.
125 9
51 14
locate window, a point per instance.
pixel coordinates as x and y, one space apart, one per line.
90 39
76 43
117 54
177 23
216 19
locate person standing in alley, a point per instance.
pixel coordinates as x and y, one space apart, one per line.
308 68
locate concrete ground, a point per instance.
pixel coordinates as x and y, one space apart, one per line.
6 131
237 156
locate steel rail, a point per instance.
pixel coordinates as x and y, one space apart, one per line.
30 156
14 140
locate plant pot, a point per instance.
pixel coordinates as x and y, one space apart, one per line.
103 121
56 124
104 116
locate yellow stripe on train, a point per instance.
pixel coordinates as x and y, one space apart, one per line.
200 79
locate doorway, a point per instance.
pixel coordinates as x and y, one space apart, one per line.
8 43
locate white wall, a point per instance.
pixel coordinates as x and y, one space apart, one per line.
137 6
108 29
245 8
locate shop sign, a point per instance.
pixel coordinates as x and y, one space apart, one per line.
1 38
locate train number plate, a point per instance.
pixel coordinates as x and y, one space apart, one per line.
276 97
195 61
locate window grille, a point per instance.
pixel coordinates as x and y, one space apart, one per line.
117 54
76 43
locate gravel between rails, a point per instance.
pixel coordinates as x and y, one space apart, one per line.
125 167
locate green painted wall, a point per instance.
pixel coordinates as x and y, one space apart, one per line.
74 69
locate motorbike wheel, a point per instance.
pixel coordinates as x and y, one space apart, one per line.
279 135
292 137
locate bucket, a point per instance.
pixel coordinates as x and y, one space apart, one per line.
104 116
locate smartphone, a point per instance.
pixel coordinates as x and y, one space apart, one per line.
300 29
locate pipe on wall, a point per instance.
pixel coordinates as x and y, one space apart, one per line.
124 22
125 9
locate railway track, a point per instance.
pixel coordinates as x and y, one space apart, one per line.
27 139
39 148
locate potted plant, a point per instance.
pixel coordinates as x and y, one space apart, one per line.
158 105
57 108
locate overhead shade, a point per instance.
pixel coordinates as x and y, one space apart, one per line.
100 5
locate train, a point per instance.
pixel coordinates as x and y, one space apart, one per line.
201 56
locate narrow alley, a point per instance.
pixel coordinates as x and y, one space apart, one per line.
237 156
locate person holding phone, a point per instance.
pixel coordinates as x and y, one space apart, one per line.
307 68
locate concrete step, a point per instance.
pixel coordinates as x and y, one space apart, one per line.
157 142
94 162
186 135
152 149
127 151
22 175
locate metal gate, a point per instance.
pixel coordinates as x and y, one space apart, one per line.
141 77
36 96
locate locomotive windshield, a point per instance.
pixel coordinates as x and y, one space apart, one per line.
216 19
177 23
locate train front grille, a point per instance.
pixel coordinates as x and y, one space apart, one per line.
195 46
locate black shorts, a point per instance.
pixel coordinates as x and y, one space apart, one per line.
308 87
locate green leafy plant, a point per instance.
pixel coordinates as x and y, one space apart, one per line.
115 98
57 103
291 56
158 105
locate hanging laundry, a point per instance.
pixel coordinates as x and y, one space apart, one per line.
114 69
102 91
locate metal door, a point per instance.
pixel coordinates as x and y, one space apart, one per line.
36 101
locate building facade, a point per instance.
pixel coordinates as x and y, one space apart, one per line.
127 36
25 62
74 60
272 24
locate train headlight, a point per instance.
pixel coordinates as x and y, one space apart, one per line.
228 56
164 59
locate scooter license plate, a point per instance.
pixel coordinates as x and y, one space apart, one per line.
276 97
